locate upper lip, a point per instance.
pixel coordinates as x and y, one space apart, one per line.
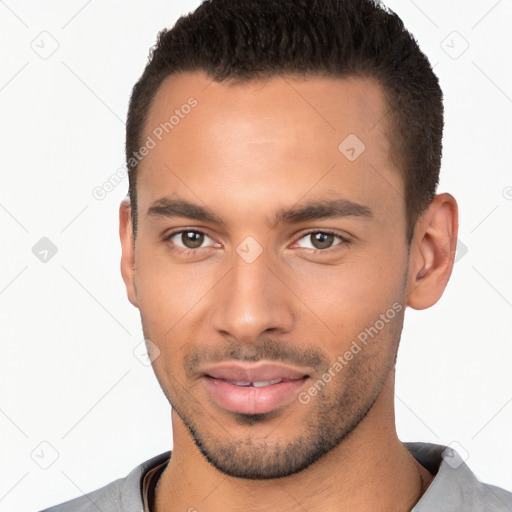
253 372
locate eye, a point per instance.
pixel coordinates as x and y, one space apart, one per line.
190 239
320 240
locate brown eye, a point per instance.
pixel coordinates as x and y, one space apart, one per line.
192 239
322 240
319 240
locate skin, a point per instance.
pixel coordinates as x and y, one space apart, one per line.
245 153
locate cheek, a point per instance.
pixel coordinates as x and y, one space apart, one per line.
156 278
170 294
351 297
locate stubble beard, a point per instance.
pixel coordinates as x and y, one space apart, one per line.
330 417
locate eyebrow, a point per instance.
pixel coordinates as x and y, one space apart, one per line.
314 210
326 209
169 207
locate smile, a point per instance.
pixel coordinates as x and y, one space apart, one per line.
253 388
257 384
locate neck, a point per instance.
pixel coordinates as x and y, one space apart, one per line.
369 470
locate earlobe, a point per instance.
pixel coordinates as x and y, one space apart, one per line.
432 252
128 251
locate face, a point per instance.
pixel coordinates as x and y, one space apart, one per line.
270 263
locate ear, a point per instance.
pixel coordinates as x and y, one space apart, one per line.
432 252
128 250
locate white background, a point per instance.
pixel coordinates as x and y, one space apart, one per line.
68 375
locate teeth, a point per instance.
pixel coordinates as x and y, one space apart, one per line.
263 383
257 384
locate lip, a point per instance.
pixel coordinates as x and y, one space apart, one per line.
219 383
253 372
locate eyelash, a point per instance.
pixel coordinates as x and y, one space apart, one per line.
185 251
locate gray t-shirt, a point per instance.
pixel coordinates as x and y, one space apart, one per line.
454 487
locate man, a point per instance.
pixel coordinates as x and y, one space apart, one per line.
282 214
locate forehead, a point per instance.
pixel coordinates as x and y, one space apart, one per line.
331 104
293 134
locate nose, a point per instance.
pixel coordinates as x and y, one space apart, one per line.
252 300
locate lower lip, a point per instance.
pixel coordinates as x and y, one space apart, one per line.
249 399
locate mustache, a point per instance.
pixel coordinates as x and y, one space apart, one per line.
268 350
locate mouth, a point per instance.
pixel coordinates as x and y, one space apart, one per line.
253 388
255 384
